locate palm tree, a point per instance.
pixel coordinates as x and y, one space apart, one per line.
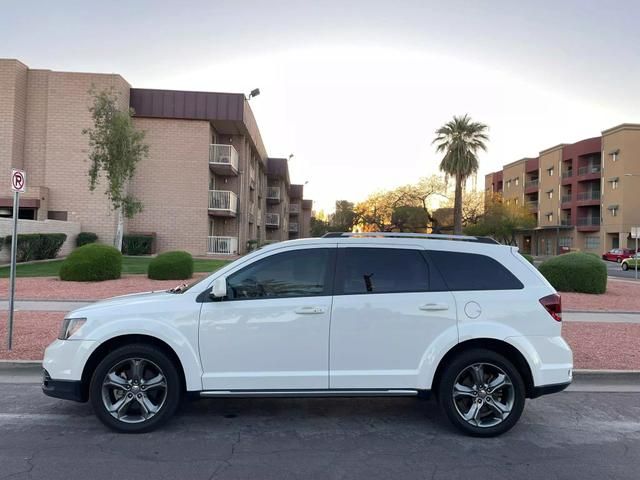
460 139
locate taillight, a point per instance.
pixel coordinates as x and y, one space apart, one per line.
553 304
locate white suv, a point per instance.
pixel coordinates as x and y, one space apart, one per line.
463 318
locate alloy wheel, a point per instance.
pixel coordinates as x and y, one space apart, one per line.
483 395
134 390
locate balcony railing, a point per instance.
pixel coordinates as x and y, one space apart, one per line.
273 193
222 245
566 222
293 227
532 204
259 218
566 198
223 158
294 208
567 174
595 195
223 201
272 220
252 213
531 184
588 221
589 170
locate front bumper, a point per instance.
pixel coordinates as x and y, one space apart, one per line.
65 389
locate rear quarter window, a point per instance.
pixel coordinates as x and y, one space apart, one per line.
471 271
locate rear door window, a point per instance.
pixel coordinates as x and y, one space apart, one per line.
470 271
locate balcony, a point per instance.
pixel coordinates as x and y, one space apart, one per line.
589 172
259 217
252 213
273 194
223 203
223 159
567 174
586 224
531 185
293 227
272 220
566 222
566 198
586 196
532 204
294 208
222 245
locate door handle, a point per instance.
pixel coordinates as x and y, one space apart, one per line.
310 310
433 307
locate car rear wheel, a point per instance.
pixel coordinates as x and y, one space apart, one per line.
482 393
135 389
619 260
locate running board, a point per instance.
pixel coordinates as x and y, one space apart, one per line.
306 393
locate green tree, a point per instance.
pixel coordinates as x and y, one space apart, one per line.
410 219
502 222
115 148
460 140
344 217
318 227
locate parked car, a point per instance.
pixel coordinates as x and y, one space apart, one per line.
631 262
618 254
464 319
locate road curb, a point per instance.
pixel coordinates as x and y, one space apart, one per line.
601 312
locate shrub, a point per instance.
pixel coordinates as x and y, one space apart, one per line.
85 238
171 266
37 246
92 263
528 257
137 244
576 272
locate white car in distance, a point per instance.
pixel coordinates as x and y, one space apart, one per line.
462 318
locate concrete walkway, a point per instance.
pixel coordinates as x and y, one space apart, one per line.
568 316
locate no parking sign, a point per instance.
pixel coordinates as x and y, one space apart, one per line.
18 185
18 180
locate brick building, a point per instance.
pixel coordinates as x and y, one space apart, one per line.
582 195
206 186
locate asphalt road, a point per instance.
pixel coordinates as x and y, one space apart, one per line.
572 435
614 270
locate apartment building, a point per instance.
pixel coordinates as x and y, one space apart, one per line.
205 185
582 195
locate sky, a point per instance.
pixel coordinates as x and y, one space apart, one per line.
356 89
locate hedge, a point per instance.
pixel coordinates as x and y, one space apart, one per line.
528 257
576 272
85 238
176 265
92 263
37 246
137 244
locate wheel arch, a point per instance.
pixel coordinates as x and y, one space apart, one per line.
116 342
499 346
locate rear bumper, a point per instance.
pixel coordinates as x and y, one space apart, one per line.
65 389
548 389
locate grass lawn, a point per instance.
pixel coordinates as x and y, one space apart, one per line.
129 265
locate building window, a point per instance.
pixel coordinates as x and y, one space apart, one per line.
592 242
550 171
516 181
550 194
508 183
614 183
57 215
614 210
564 242
508 201
549 217
515 201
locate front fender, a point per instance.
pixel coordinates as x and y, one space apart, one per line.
174 337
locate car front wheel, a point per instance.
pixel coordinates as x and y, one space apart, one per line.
135 389
619 260
625 266
482 393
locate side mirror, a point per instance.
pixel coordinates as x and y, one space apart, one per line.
219 288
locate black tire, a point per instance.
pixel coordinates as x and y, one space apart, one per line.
460 364
619 260
625 266
152 356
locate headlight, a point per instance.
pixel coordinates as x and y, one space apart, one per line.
70 326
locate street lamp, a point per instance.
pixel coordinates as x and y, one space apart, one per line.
254 93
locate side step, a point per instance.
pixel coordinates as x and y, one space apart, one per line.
306 393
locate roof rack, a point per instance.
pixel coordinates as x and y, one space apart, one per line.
432 236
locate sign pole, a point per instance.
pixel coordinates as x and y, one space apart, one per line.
636 259
12 281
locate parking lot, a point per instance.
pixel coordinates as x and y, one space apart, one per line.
569 435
